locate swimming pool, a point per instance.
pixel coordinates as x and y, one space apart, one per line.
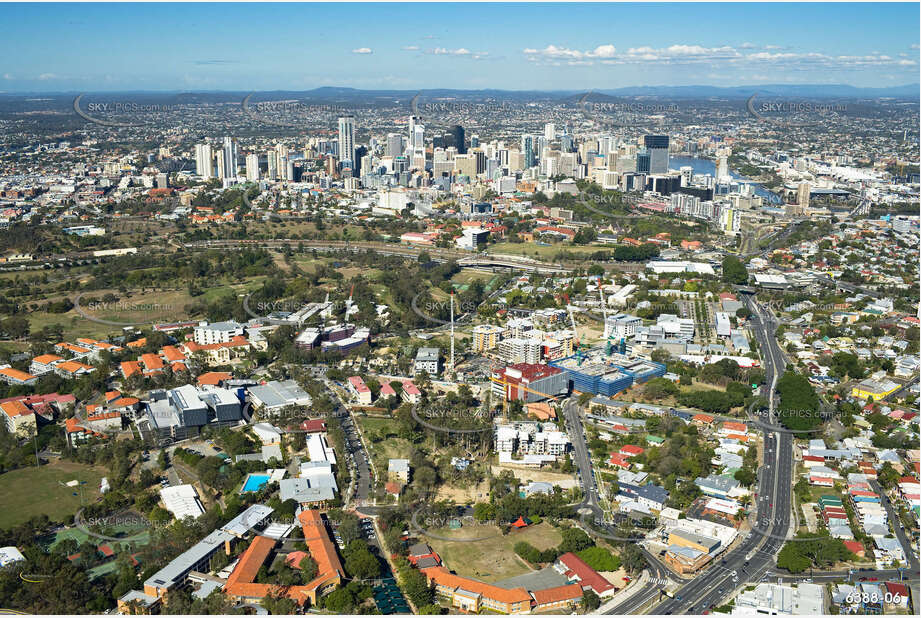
255 482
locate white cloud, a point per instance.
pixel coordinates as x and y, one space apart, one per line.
552 51
723 55
410 48
47 76
362 50
460 52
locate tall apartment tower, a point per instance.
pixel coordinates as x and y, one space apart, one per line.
347 139
230 157
252 167
802 195
203 161
722 168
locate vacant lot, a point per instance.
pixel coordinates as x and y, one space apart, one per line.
526 475
491 557
382 442
32 491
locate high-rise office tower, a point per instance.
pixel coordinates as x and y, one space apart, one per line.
252 167
230 157
203 161
394 145
550 131
657 147
347 140
566 143
474 141
642 162
460 142
527 149
416 134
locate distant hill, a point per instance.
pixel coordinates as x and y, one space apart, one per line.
330 93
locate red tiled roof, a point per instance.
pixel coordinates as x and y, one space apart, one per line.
568 592
586 574
442 577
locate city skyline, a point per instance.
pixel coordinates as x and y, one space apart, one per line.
406 46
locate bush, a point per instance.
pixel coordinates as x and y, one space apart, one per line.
600 558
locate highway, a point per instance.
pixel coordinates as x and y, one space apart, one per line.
590 505
590 508
750 560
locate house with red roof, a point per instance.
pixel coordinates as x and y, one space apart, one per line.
578 571
631 450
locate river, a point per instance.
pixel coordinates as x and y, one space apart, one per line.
706 166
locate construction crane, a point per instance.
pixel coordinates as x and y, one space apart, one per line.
604 309
572 320
348 304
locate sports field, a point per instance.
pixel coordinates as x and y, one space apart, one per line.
32 491
491 557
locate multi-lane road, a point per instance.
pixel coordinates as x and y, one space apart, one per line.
751 559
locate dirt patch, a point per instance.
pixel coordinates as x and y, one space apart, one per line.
566 481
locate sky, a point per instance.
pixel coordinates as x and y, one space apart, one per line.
516 46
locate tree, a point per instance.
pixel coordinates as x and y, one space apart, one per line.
574 540
734 271
309 569
360 563
339 600
278 605
659 388
799 403
484 511
632 558
590 600
600 558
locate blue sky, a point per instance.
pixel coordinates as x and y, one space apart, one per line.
100 47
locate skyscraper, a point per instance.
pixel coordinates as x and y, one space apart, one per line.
347 140
271 160
550 131
230 157
722 168
657 147
460 142
416 134
642 162
252 167
802 196
219 160
394 145
203 161
527 149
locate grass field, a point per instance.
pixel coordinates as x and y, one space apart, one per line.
383 450
542 252
33 491
492 557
